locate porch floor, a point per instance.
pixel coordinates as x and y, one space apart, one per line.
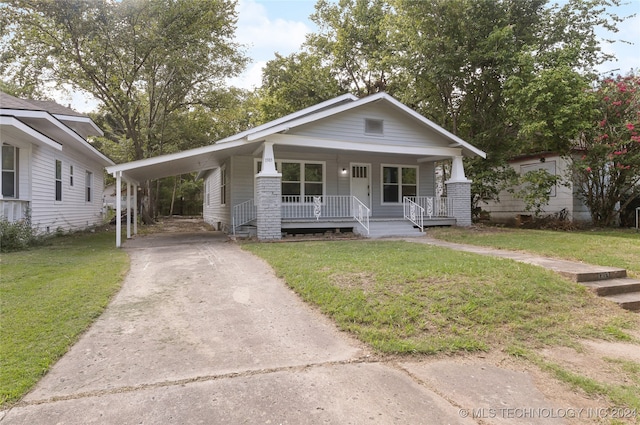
379 227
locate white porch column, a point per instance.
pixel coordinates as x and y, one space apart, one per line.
118 176
135 209
128 210
457 170
269 197
459 190
268 161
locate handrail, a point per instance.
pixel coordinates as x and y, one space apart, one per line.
243 213
361 213
435 206
413 212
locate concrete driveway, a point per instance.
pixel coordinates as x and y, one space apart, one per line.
203 332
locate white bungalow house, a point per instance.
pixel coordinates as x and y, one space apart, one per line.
49 169
563 199
346 162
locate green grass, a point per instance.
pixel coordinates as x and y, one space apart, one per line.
621 395
406 298
614 248
401 297
48 296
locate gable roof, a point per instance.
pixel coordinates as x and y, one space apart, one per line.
54 123
467 148
208 157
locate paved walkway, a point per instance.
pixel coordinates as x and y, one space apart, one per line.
571 269
203 332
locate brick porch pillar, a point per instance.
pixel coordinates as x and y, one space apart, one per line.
269 197
459 190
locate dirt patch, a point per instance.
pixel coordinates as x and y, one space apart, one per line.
177 224
364 281
598 360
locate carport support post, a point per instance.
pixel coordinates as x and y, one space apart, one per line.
459 191
128 210
118 176
269 197
135 209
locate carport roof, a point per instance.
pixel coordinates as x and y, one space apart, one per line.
193 160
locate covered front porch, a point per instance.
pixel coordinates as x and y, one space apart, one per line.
339 212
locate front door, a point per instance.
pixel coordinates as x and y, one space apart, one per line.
361 183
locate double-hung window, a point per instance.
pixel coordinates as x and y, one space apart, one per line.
398 182
58 180
223 186
89 184
302 181
9 171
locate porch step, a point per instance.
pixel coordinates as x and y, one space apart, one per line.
613 286
393 228
623 291
628 301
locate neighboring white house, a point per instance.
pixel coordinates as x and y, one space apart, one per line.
49 169
340 163
563 199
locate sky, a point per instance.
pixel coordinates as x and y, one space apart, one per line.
269 26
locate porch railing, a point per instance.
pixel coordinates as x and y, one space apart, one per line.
316 207
13 209
243 213
361 213
413 212
311 207
434 206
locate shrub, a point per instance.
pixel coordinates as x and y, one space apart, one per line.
16 236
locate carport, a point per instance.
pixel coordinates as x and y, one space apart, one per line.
193 160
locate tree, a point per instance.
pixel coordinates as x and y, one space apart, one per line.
143 60
608 172
353 40
294 82
487 71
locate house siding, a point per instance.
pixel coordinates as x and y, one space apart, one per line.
73 212
399 129
564 198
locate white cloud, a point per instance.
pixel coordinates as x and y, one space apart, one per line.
264 37
251 78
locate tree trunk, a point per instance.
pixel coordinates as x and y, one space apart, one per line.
173 195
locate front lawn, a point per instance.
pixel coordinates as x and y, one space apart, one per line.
48 296
401 297
407 298
614 248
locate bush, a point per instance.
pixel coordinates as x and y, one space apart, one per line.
16 236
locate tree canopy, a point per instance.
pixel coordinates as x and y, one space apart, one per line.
509 76
150 63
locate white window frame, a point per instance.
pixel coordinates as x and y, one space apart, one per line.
302 181
223 185
14 171
88 193
57 180
399 167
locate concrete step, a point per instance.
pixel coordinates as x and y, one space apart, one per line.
587 273
628 301
613 286
395 228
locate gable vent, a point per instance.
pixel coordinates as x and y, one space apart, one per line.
372 126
